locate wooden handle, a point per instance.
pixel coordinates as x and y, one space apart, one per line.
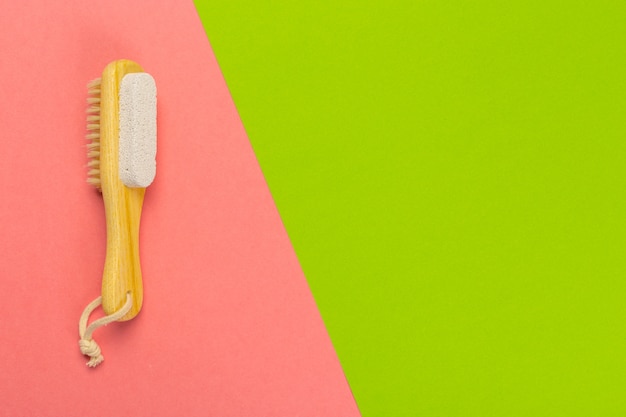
122 269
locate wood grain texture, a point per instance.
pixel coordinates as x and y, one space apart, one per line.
122 269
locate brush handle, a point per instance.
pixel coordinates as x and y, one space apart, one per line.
122 269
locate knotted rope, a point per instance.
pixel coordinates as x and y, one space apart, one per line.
87 345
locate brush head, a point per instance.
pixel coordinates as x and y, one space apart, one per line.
135 99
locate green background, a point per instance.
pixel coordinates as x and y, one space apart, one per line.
451 175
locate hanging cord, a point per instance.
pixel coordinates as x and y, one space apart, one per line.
88 346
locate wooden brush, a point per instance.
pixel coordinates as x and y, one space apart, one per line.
121 125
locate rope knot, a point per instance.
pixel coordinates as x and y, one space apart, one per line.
90 348
87 345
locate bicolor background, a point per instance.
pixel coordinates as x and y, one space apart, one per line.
452 177
385 208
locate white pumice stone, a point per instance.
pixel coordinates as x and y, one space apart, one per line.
137 144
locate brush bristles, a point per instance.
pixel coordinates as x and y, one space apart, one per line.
93 132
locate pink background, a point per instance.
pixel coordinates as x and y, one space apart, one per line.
229 326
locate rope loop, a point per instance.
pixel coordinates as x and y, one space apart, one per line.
87 345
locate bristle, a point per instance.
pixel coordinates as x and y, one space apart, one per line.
93 132
94 181
94 83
